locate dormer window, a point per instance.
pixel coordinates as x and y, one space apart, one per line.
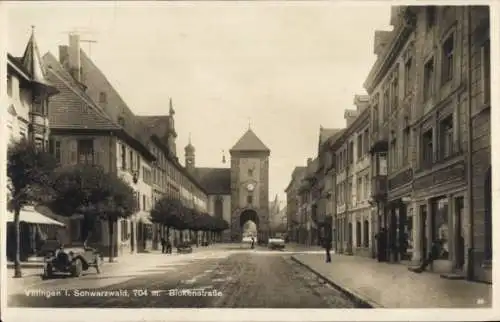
103 99
121 121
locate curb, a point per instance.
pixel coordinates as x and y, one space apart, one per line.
361 301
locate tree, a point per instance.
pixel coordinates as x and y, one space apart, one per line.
167 212
195 223
95 193
29 171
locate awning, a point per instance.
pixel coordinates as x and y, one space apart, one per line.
30 215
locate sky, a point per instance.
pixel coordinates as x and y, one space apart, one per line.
284 68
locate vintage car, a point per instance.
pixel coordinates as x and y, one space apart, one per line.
73 260
276 243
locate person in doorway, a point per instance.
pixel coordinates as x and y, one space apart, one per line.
431 257
328 248
253 243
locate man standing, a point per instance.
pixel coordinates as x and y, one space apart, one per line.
253 243
328 248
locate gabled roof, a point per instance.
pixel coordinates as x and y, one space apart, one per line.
250 142
216 181
132 125
72 108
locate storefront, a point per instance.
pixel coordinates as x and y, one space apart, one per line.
35 229
439 218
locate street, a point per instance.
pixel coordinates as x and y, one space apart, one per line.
227 278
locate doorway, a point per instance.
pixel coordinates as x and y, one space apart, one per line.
460 234
423 231
132 236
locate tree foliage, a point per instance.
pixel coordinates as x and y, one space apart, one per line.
171 212
93 192
90 190
29 171
167 211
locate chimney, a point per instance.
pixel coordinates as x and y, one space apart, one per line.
74 62
361 102
63 56
382 38
350 116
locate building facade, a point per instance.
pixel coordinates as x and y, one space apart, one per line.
292 204
429 76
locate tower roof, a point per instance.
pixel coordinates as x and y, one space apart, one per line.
250 142
32 62
189 148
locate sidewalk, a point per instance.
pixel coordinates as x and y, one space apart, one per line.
294 247
385 285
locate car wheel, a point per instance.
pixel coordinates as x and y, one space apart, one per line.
76 268
48 271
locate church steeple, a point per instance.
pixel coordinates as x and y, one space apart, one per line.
189 155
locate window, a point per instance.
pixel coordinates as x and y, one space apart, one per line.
249 199
427 149
359 189
366 234
428 79
138 162
387 105
440 226
124 156
38 104
366 142
85 151
218 208
121 121
359 146
485 71
430 16
408 76
351 152
446 134
358 234
124 230
392 153
250 172
375 118
143 202
448 49
395 91
406 145
367 187
9 85
131 158
103 98
349 191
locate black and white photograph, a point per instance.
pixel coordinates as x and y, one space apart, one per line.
246 155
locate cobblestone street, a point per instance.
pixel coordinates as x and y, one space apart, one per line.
245 279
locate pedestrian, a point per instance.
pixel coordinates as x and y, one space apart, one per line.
253 243
381 243
163 244
328 248
168 246
433 255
